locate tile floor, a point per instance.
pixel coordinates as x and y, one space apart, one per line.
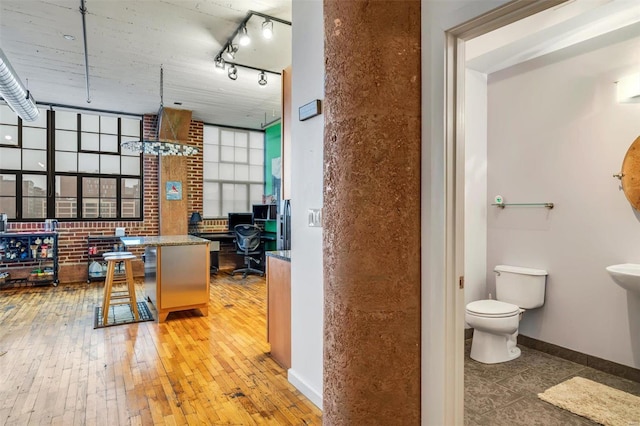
506 393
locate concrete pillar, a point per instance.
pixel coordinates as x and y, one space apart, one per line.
372 213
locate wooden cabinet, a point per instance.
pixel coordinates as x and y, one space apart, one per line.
279 309
286 133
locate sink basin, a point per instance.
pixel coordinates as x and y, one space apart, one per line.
627 275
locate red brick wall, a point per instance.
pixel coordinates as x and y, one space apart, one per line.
72 239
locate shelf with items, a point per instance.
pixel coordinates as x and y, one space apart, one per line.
97 245
264 216
23 250
264 212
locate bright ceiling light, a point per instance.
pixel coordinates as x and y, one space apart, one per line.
244 37
14 93
219 64
267 29
8 137
262 78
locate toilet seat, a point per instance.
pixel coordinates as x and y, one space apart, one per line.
492 309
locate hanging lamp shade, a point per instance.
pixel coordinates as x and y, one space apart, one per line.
170 135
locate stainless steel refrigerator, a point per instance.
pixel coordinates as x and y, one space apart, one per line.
284 225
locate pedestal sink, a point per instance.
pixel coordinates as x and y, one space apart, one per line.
627 275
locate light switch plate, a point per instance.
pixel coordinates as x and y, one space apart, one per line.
315 218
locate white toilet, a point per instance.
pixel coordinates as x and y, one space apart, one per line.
495 322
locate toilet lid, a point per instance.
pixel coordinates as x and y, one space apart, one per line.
492 308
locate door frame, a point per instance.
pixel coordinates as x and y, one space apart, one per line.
454 74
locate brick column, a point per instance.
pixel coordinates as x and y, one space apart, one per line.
372 213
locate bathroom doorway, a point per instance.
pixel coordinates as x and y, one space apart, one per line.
459 120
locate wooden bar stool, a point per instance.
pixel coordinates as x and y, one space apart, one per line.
127 296
118 277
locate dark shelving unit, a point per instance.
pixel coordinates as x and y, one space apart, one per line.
35 250
97 245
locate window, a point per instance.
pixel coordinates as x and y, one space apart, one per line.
233 170
73 170
8 194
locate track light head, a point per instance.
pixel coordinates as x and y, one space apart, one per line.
231 51
267 29
233 72
262 78
244 37
219 64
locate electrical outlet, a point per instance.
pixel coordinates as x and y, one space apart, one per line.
315 218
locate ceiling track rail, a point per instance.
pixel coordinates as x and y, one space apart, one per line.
243 24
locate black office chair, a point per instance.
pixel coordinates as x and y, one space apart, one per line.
248 244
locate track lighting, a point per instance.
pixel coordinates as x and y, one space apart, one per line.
219 64
13 92
240 38
244 37
232 49
233 72
267 29
262 78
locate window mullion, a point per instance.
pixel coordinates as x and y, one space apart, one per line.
51 171
79 211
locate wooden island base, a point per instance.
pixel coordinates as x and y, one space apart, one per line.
164 313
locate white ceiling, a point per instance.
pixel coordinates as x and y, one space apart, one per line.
550 31
127 43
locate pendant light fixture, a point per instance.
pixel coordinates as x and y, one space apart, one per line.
165 142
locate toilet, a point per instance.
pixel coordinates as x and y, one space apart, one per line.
495 322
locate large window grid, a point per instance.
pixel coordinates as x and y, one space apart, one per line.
72 168
233 170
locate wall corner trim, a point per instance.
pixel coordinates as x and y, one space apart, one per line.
299 383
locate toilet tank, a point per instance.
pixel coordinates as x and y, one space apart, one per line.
520 286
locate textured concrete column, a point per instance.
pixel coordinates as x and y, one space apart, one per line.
372 213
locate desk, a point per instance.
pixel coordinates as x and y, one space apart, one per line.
228 237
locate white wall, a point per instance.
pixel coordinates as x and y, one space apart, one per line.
307 297
437 17
557 134
475 213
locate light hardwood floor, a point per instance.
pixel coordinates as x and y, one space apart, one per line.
55 368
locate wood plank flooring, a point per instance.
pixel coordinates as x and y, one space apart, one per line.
55 369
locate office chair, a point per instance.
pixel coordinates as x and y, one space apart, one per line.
248 244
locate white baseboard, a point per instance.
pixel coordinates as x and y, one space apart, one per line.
312 394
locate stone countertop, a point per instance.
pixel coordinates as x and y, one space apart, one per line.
163 240
280 254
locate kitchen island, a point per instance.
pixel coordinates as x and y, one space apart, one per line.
176 272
